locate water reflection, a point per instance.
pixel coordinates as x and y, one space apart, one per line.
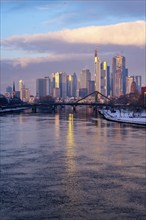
57 127
70 144
63 166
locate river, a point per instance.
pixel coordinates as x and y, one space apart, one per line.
71 166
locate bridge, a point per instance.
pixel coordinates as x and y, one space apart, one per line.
54 105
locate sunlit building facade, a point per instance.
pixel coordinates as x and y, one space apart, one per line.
108 81
97 73
104 78
119 74
21 89
129 81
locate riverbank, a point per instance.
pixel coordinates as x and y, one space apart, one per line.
124 116
10 110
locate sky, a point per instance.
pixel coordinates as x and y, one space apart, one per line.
42 37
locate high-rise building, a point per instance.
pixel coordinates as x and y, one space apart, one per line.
133 87
85 77
97 73
63 85
14 91
104 78
138 81
118 75
91 86
59 83
108 81
124 77
129 81
48 85
21 89
74 85
41 87
27 95
69 85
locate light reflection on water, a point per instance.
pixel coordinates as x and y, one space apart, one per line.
71 166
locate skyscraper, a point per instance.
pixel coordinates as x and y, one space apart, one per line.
138 81
85 77
59 84
14 91
97 73
129 81
48 86
118 75
104 78
21 89
108 81
74 85
63 85
41 87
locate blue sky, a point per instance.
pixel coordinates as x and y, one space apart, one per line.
41 37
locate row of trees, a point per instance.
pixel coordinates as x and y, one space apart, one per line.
132 99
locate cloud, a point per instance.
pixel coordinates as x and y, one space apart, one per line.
26 61
130 34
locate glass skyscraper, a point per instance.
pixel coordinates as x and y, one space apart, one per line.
97 73
119 74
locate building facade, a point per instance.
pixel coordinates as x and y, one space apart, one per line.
41 87
119 73
85 77
97 73
104 78
138 80
129 81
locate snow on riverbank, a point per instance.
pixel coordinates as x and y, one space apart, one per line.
125 116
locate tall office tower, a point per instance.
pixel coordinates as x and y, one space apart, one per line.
63 85
27 94
59 84
52 83
124 77
138 81
69 85
14 90
103 78
56 84
91 87
108 81
41 87
97 73
133 87
48 89
118 72
74 85
129 81
85 77
21 89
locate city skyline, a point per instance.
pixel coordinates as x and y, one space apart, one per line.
64 35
